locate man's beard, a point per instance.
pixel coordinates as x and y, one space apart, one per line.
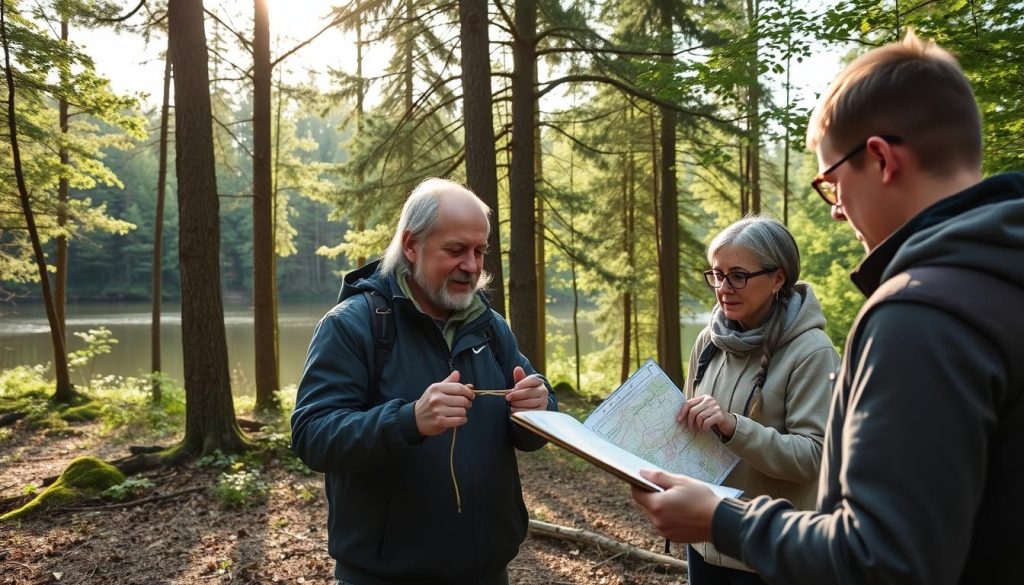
446 300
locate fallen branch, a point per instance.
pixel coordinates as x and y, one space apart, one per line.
136 502
9 418
9 503
603 543
145 449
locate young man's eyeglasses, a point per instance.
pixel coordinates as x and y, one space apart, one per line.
827 189
736 280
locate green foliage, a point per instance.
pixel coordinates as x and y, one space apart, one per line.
304 494
85 476
47 70
240 487
97 342
217 460
130 488
988 40
123 405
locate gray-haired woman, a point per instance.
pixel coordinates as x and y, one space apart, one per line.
759 375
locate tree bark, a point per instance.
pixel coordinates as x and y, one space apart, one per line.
263 292
63 391
522 187
481 166
158 231
627 241
754 115
60 296
670 355
210 417
538 167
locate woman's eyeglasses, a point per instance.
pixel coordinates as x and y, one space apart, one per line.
737 279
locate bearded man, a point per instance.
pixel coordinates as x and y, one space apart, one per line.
397 407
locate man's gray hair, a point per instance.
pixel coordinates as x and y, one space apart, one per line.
419 216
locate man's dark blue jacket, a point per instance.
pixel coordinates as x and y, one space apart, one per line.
392 511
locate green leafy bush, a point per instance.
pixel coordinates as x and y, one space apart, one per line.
240 488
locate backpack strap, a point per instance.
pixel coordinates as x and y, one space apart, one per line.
382 324
706 354
491 341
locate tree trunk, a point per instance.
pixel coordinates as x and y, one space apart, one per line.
63 391
659 337
60 297
628 182
158 230
754 115
671 352
538 167
786 144
263 292
481 167
210 417
522 188
360 113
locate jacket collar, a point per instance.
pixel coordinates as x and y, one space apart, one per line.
867 276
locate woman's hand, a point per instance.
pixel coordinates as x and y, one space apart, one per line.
703 413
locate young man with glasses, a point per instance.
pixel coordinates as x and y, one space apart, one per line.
923 466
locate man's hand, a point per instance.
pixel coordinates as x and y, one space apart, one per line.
703 413
529 393
681 513
443 406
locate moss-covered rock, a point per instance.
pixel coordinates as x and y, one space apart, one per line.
85 476
83 413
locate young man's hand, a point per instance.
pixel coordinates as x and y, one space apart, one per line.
681 513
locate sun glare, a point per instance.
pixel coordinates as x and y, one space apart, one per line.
297 19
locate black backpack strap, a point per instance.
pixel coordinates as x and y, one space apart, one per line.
703 360
491 341
382 325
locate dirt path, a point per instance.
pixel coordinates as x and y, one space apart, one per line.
192 539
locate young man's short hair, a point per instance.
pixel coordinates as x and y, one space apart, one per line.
913 89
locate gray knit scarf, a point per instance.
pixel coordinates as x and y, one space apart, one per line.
726 333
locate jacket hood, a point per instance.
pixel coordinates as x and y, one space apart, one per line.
980 228
365 279
809 315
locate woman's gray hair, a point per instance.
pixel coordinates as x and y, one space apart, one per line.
771 244
419 216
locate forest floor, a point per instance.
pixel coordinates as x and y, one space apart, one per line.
194 538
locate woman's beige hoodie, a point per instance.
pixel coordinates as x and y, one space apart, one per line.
780 450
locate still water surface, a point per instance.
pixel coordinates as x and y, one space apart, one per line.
25 338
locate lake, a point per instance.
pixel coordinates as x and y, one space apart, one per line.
25 338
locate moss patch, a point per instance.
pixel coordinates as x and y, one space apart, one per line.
86 412
85 476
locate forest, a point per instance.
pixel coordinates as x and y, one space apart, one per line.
612 140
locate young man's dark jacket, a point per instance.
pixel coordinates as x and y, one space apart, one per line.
392 510
923 469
